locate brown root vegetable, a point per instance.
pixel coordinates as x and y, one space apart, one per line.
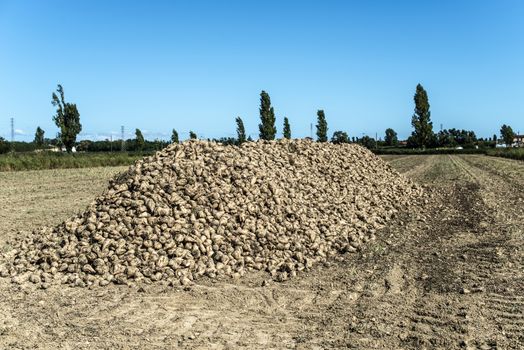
203 209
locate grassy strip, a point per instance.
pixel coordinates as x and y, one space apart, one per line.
512 153
411 151
51 160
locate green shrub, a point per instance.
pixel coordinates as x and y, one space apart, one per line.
4 146
512 153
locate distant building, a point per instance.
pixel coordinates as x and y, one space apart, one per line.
73 149
518 141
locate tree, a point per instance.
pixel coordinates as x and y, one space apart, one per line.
494 137
367 142
241 131
391 138
421 120
139 139
174 136
267 118
287 129
226 141
507 134
446 138
67 119
322 127
340 137
4 145
39 137
192 135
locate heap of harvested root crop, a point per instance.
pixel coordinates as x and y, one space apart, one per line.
203 209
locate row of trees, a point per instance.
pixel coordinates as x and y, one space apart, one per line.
67 119
267 126
423 135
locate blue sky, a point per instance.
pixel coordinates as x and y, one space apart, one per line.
196 65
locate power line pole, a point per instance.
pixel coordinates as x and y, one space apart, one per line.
12 129
311 130
12 134
123 145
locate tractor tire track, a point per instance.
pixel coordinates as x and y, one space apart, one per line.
461 267
500 254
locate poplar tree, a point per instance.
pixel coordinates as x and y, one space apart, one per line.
174 136
39 137
267 118
67 119
287 129
422 136
139 139
322 127
241 131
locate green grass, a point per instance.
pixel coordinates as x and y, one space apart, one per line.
512 153
411 151
51 160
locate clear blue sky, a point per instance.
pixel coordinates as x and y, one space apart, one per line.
196 65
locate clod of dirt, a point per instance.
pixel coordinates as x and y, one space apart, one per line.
202 209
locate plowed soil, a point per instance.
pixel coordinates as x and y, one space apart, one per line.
449 275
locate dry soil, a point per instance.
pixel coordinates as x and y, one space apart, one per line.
447 276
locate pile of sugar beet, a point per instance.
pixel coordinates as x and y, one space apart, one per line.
204 209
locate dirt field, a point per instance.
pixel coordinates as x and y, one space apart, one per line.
448 276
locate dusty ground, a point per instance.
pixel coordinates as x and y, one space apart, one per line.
449 276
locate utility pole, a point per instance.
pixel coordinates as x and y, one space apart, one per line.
123 145
12 129
12 134
111 143
311 130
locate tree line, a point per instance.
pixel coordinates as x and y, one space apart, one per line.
67 119
424 137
